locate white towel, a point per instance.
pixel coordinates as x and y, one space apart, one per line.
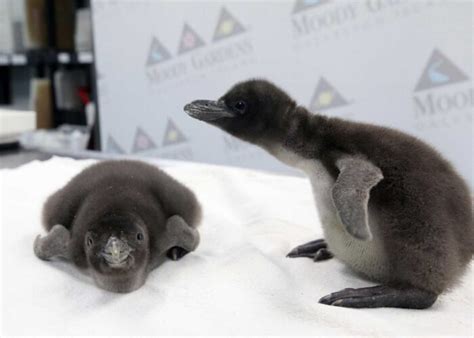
237 282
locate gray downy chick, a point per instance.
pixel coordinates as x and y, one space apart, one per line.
391 207
118 220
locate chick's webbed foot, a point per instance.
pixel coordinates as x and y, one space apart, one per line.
316 250
381 296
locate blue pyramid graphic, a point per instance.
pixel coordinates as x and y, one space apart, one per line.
157 53
439 71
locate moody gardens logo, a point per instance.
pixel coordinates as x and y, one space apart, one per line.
340 18
443 95
193 54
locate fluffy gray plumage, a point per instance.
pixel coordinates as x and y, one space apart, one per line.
391 207
118 220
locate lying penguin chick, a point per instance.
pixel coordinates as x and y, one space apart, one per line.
391 207
117 220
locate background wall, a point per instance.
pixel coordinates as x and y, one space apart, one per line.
407 64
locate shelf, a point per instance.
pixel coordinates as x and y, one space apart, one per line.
14 122
17 59
75 58
42 57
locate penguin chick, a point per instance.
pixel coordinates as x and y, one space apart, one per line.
391 207
117 220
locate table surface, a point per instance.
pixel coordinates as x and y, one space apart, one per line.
237 282
18 157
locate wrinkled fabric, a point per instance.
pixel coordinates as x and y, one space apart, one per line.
238 281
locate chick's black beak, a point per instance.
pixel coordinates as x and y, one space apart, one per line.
206 110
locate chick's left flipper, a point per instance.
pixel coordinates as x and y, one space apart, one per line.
351 194
54 244
179 239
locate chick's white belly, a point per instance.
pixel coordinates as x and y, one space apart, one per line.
366 257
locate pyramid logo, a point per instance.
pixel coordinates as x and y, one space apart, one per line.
142 141
326 96
227 26
172 135
189 40
439 71
113 147
158 53
302 5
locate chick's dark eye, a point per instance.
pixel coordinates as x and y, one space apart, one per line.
89 241
139 236
240 106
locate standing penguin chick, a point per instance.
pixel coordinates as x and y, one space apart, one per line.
118 219
391 207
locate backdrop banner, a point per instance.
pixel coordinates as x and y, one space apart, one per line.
399 63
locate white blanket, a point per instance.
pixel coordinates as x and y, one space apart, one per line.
237 282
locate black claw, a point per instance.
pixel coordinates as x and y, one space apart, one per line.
316 250
322 255
299 254
176 253
326 299
309 249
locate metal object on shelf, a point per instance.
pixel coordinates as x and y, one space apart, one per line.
65 138
85 57
46 57
18 59
4 60
64 58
